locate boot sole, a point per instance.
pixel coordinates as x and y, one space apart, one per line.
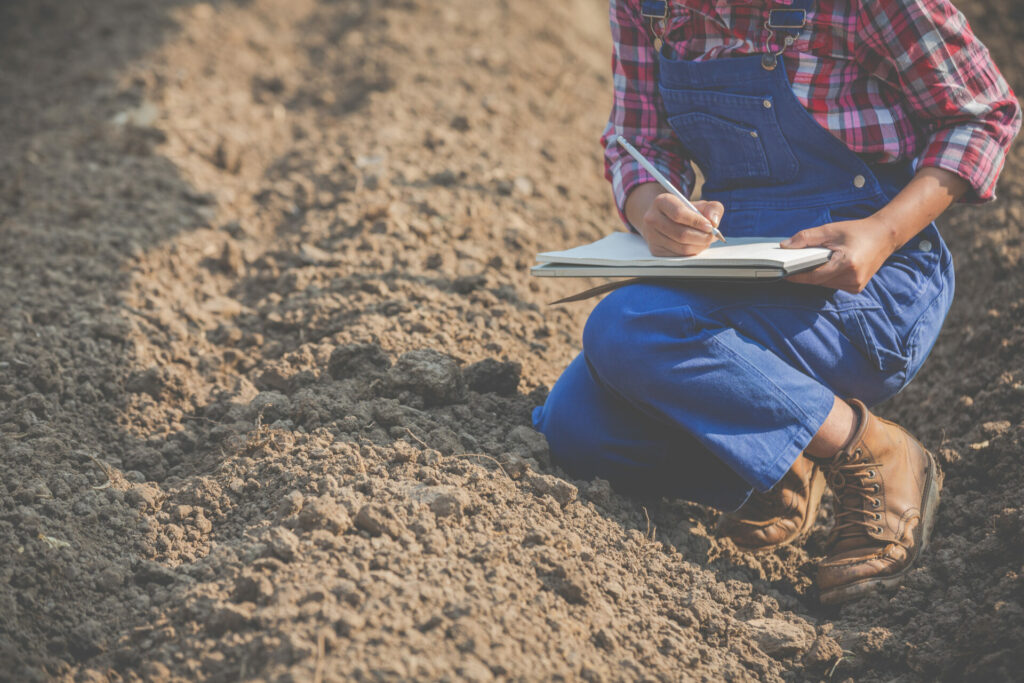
933 486
818 484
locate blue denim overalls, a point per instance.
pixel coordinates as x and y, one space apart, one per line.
705 391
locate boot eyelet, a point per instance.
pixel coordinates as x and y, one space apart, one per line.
878 529
877 516
875 503
857 452
871 474
876 488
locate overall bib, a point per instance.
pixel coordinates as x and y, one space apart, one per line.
707 390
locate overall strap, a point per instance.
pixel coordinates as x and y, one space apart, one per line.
788 23
655 12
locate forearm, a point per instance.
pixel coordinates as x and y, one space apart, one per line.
926 196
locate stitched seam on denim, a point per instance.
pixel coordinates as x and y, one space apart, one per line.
758 371
911 343
870 343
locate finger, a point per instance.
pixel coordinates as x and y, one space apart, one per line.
681 234
660 245
713 211
677 212
689 243
812 237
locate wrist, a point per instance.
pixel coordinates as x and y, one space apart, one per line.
886 231
639 202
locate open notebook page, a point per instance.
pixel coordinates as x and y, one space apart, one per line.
628 249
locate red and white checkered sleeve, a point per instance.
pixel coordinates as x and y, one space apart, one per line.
637 111
953 88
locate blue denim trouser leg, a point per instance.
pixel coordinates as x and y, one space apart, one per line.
705 392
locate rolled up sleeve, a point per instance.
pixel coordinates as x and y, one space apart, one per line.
957 95
637 112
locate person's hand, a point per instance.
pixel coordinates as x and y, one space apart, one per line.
672 229
859 248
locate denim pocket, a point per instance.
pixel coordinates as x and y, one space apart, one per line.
871 331
724 150
735 139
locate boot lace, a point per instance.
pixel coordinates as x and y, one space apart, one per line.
855 483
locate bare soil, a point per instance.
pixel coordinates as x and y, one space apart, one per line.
268 349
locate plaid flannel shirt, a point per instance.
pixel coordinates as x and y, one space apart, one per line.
892 79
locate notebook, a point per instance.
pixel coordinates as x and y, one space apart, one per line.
624 254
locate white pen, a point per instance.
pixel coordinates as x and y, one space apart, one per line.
663 181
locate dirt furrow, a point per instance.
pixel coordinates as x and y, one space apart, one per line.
268 349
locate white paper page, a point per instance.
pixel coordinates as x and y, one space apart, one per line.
621 248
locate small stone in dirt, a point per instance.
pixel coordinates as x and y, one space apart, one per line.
313 255
275 378
228 155
109 580
523 186
430 374
324 513
251 588
995 428
568 581
87 639
460 123
780 639
155 671
445 178
448 503
514 465
348 623
155 381
143 496
492 376
371 519
403 451
529 443
291 503
824 651
389 412
354 360
469 283
228 617
269 407
231 260
599 491
282 543
544 484
197 197
148 571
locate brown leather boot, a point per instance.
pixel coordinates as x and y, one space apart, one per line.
783 515
887 490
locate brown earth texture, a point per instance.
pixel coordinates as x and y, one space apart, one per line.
268 351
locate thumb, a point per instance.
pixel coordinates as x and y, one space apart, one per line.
713 211
812 237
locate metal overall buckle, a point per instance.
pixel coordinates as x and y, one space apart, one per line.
788 21
655 12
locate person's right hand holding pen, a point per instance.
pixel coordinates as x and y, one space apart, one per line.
670 224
